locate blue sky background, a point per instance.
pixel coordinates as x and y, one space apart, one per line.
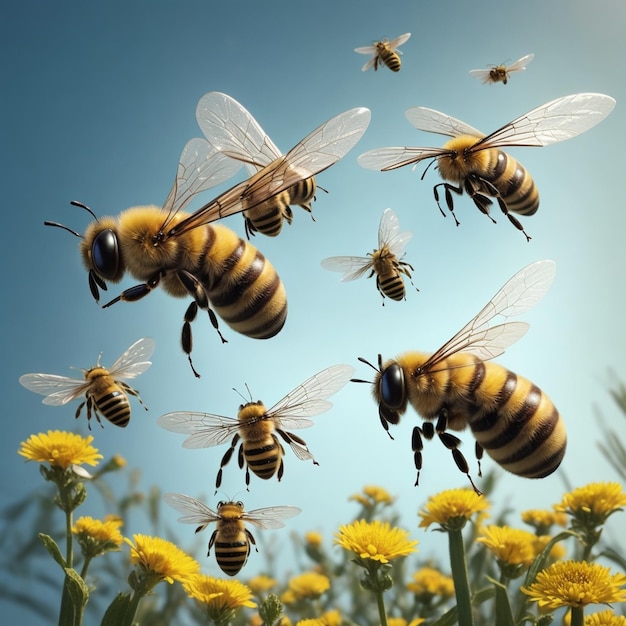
98 102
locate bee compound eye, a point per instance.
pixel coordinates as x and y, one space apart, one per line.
105 254
392 387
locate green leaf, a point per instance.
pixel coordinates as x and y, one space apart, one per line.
504 615
119 611
53 549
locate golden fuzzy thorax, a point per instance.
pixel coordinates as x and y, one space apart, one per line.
260 428
458 162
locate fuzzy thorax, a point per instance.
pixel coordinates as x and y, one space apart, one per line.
459 161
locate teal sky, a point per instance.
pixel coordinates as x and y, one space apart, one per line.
98 102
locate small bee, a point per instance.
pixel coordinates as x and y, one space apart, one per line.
474 160
384 52
257 428
385 262
105 392
511 418
500 73
190 256
231 538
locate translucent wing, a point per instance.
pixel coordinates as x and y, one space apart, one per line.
270 517
204 429
318 151
483 75
201 167
59 390
389 233
394 44
135 360
520 64
232 130
193 511
518 295
366 50
353 267
433 121
392 158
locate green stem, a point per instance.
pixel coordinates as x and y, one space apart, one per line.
83 571
460 576
578 616
381 607
66 612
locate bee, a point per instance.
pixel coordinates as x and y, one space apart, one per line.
386 261
510 417
232 130
231 538
500 73
190 256
105 391
475 162
259 429
384 52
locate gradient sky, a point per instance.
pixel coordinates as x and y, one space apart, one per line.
98 103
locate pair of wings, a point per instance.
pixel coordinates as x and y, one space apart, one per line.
389 235
555 121
202 165
196 512
392 45
60 390
290 413
519 66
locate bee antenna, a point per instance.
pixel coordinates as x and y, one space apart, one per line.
377 369
242 396
359 380
427 168
69 230
84 206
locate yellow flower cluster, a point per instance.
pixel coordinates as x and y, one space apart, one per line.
592 504
452 508
218 594
309 585
60 449
429 583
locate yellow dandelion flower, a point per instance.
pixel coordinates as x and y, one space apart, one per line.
256 620
218 594
162 559
543 519
429 583
396 621
417 621
605 618
261 584
575 584
378 494
376 540
592 504
316 621
332 618
60 449
309 585
96 536
452 508
510 546
557 552
313 539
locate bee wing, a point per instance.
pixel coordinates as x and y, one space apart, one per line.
394 44
59 390
366 50
204 429
552 122
484 75
319 150
271 516
201 167
385 159
193 511
135 360
518 295
231 129
433 121
389 233
353 267
520 64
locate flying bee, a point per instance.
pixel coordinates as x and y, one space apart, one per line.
259 429
105 391
500 73
475 162
384 52
190 256
511 418
386 261
232 130
231 538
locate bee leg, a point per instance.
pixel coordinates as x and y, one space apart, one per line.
479 456
186 338
481 200
94 282
417 444
133 392
211 542
251 538
227 456
132 294
449 199
79 409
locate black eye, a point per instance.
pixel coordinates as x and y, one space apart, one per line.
105 254
392 387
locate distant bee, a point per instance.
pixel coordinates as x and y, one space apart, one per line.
105 392
257 428
191 257
474 161
386 261
384 52
231 538
512 419
500 73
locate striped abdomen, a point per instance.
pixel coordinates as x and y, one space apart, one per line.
242 285
391 284
106 396
263 457
231 555
390 58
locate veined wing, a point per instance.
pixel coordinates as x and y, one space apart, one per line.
59 390
204 429
353 267
394 44
193 511
394 157
433 121
389 233
521 63
270 517
134 361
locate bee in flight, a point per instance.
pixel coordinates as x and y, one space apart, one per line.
475 162
384 53
500 73
259 429
386 261
455 387
231 538
232 130
190 256
104 389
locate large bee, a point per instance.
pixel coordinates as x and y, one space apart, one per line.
384 52
500 73
259 429
510 417
189 256
231 129
105 391
386 261
231 538
474 161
